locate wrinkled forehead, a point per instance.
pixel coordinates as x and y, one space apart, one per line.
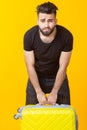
46 16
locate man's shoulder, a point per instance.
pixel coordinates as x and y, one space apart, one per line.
32 30
63 30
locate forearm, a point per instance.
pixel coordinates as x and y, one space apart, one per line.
30 62
63 63
34 79
59 80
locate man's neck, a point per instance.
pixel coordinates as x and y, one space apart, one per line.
48 39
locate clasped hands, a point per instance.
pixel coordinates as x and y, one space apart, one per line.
49 99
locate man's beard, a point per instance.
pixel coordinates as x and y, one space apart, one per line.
46 33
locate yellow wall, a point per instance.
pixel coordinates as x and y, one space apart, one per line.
16 16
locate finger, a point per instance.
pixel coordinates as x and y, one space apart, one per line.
51 103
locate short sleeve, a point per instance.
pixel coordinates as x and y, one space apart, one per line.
68 43
27 42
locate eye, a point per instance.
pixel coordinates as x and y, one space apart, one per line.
50 20
42 20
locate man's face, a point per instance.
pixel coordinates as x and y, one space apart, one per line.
46 23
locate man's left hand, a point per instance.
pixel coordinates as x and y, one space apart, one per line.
52 98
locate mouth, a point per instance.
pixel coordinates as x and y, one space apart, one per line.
46 29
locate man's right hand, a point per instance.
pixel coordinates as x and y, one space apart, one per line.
42 99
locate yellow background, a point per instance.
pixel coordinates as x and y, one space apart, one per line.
16 16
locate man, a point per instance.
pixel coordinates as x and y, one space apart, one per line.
47 52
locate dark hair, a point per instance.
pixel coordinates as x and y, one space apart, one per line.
47 8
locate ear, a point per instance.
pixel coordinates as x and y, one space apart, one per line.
37 18
56 21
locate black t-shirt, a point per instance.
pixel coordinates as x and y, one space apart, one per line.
47 54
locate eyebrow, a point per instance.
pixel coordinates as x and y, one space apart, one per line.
47 20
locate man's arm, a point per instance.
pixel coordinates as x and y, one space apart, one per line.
63 63
30 61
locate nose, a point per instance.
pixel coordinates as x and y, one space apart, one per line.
46 24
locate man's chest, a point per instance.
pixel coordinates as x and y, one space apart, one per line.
47 51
